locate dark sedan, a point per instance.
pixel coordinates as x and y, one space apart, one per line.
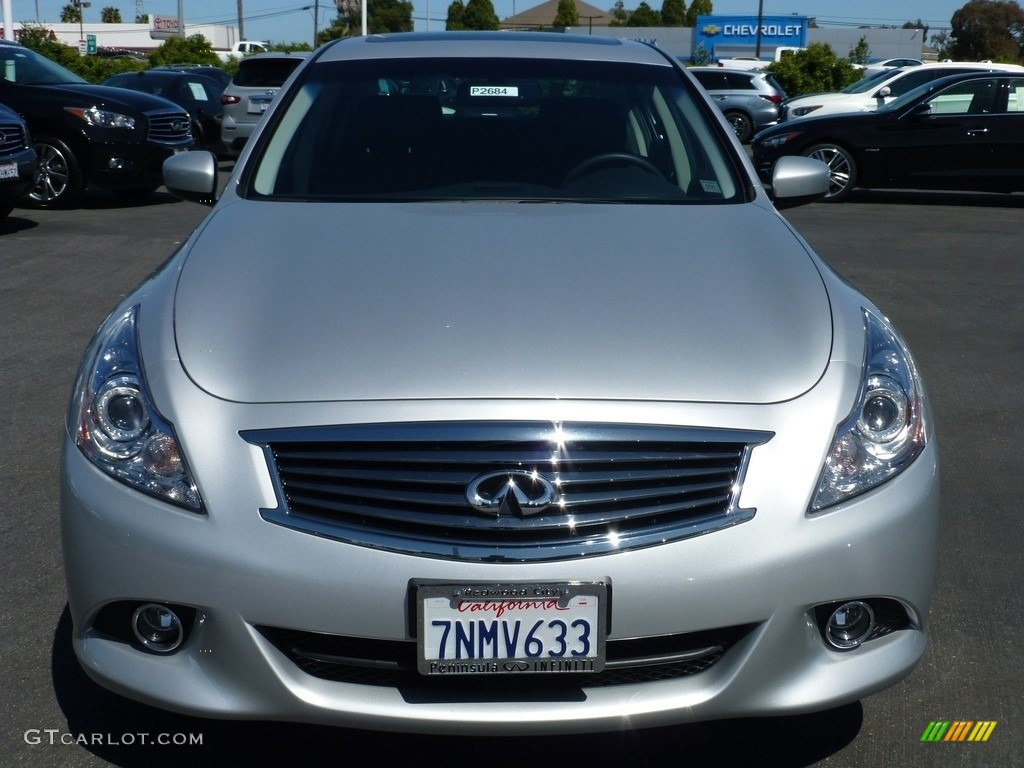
199 94
963 132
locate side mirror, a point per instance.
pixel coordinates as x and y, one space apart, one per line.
798 180
883 92
921 111
192 176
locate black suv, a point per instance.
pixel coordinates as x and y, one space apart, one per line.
17 160
88 134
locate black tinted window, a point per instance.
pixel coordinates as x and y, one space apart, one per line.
265 73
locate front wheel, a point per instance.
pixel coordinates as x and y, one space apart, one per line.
59 182
842 170
742 126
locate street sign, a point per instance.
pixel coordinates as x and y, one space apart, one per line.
90 44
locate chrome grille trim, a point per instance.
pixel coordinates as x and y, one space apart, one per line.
402 487
169 126
12 137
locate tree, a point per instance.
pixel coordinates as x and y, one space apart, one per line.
381 16
697 8
941 43
389 16
988 29
568 14
456 16
816 69
673 13
620 16
110 15
71 14
644 16
194 49
480 15
44 41
702 56
860 53
917 25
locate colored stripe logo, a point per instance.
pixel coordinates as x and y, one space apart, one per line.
958 730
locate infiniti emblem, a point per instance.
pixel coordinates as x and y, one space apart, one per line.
511 492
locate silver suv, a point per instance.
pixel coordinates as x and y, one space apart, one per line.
749 100
250 92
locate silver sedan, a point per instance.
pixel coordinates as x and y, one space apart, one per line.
494 396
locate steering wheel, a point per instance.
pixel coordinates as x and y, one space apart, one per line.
611 158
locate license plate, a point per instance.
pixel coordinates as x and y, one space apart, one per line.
8 171
258 106
473 629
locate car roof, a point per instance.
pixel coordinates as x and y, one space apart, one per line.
526 45
273 55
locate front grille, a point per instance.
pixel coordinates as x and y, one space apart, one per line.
391 663
12 137
403 487
172 127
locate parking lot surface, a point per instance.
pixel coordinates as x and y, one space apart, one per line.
949 269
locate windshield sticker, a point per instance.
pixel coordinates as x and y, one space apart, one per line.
494 90
711 187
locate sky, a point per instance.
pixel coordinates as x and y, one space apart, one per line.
284 22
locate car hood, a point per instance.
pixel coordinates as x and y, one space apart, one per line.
86 94
282 302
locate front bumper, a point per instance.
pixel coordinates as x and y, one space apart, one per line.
242 572
130 165
12 190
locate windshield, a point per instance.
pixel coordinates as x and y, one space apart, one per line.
25 66
869 82
493 129
913 95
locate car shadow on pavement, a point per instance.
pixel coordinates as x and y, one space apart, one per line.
112 727
15 223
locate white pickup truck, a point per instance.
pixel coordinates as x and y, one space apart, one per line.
243 48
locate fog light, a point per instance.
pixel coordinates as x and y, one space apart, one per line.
157 627
850 625
116 164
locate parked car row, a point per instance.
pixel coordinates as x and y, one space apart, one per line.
881 87
116 135
84 134
959 132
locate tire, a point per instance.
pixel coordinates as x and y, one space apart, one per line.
5 209
742 125
199 135
59 182
842 170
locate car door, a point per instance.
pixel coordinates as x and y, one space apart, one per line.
946 142
1006 138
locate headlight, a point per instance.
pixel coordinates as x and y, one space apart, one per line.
775 142
101 118
804 111
114 423
886 430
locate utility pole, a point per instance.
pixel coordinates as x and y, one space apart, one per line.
760 22
241 21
